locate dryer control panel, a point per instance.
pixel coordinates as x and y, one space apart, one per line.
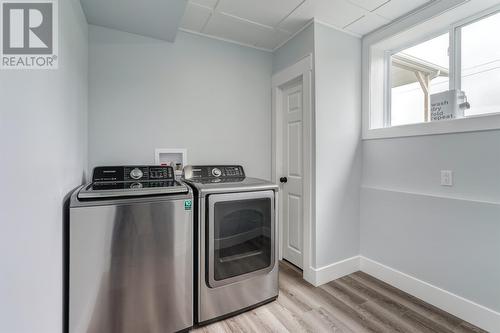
132 173
213 171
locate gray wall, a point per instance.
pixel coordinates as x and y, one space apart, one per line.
43 135
446 236
338 146
208 96
295 49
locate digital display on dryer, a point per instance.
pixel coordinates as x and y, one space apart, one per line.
217 171
161 173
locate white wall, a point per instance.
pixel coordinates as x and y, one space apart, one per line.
446 236
211 97
43 135
338 146
295 49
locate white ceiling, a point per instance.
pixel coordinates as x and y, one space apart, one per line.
267 24
153 18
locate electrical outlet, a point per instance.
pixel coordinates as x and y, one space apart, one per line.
446 178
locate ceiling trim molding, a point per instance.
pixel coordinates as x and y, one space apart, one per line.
289 14
250 21
225 40
311 21
314 20
339 28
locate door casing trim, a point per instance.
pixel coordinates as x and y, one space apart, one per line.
302 70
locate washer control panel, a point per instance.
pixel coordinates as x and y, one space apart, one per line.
213 171
132 173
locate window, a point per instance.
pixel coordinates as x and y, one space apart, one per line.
480 65
417 73
438 70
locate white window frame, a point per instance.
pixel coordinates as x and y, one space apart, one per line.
372 104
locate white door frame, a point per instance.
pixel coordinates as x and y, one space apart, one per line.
301 70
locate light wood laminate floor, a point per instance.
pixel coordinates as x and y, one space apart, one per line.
356 303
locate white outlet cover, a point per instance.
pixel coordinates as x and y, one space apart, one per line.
446 178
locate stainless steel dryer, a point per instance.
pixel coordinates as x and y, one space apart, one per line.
131 252
236 241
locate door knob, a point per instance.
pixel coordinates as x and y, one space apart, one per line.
283 180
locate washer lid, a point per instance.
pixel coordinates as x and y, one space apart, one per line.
97 190
220 185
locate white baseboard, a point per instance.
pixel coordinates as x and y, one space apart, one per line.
474 313
465 309
334 271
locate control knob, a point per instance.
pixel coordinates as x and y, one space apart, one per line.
136 185
136 173
216 172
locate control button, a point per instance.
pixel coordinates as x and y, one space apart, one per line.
136 173
216 172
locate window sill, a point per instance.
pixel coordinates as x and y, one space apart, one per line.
469 124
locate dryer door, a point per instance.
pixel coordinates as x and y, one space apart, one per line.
241 236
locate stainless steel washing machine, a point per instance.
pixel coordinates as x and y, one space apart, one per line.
236 241
130 252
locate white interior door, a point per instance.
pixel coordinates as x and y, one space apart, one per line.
292 187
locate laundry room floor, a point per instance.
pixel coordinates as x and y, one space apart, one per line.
355 303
